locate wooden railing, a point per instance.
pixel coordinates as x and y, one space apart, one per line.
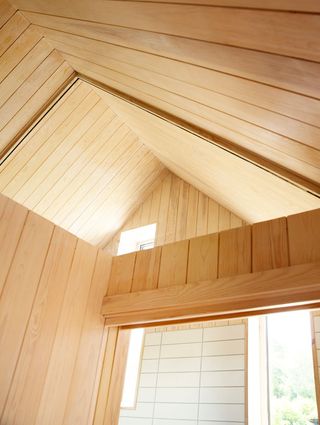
269 265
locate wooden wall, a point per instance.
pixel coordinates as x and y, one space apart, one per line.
32 74
180 212
237 271
81 167
246 70
52 336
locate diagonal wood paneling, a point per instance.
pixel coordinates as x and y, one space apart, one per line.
32 74
244 71
248 191
81 167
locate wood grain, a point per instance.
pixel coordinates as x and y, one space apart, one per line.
203 259
173 265
304 237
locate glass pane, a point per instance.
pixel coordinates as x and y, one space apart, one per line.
291 378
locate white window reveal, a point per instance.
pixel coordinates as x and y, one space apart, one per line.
130 387
137 239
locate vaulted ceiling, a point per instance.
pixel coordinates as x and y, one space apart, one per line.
98 98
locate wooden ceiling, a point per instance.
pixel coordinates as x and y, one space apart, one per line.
81 167
244 71
32 74
243 188
224 93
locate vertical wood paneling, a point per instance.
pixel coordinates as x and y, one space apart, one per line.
121 274
12 218
180 212
203 258
117 378
269 245
18 295
35 355
235 252
85 366
304 237
146 270
173 265
64 352
51 333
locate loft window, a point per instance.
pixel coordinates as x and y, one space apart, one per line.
137 239
281 377
130 386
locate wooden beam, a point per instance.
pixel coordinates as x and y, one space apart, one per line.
282 287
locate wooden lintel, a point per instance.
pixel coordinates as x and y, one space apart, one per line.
253 292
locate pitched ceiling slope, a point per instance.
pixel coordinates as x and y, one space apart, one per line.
81 167
32 74
245 189
246 71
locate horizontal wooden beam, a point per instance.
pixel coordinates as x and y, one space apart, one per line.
252 292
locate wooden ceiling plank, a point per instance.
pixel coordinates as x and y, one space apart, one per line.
74 168
65 129
224 92
11 30
163 139
23 70
245 28
39 102
221 125
291 74
6 12
44 130
99 180
61 159
129 184
18 51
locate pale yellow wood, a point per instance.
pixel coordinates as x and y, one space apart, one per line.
80 397
235 252
203 259
252 293
111 416
163 211
172 210
121 274
181 225
202 215
26 388
146 270
231 27
12 219
173 265
304 237
270 245
18 295
64 353
104 384
245 199
11 30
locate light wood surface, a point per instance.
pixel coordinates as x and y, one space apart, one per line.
32 74
81 167
242 71
226 279
180 211
52 334
247 190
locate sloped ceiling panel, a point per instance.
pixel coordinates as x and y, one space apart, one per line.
244 71
242 187
81 167
32 74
